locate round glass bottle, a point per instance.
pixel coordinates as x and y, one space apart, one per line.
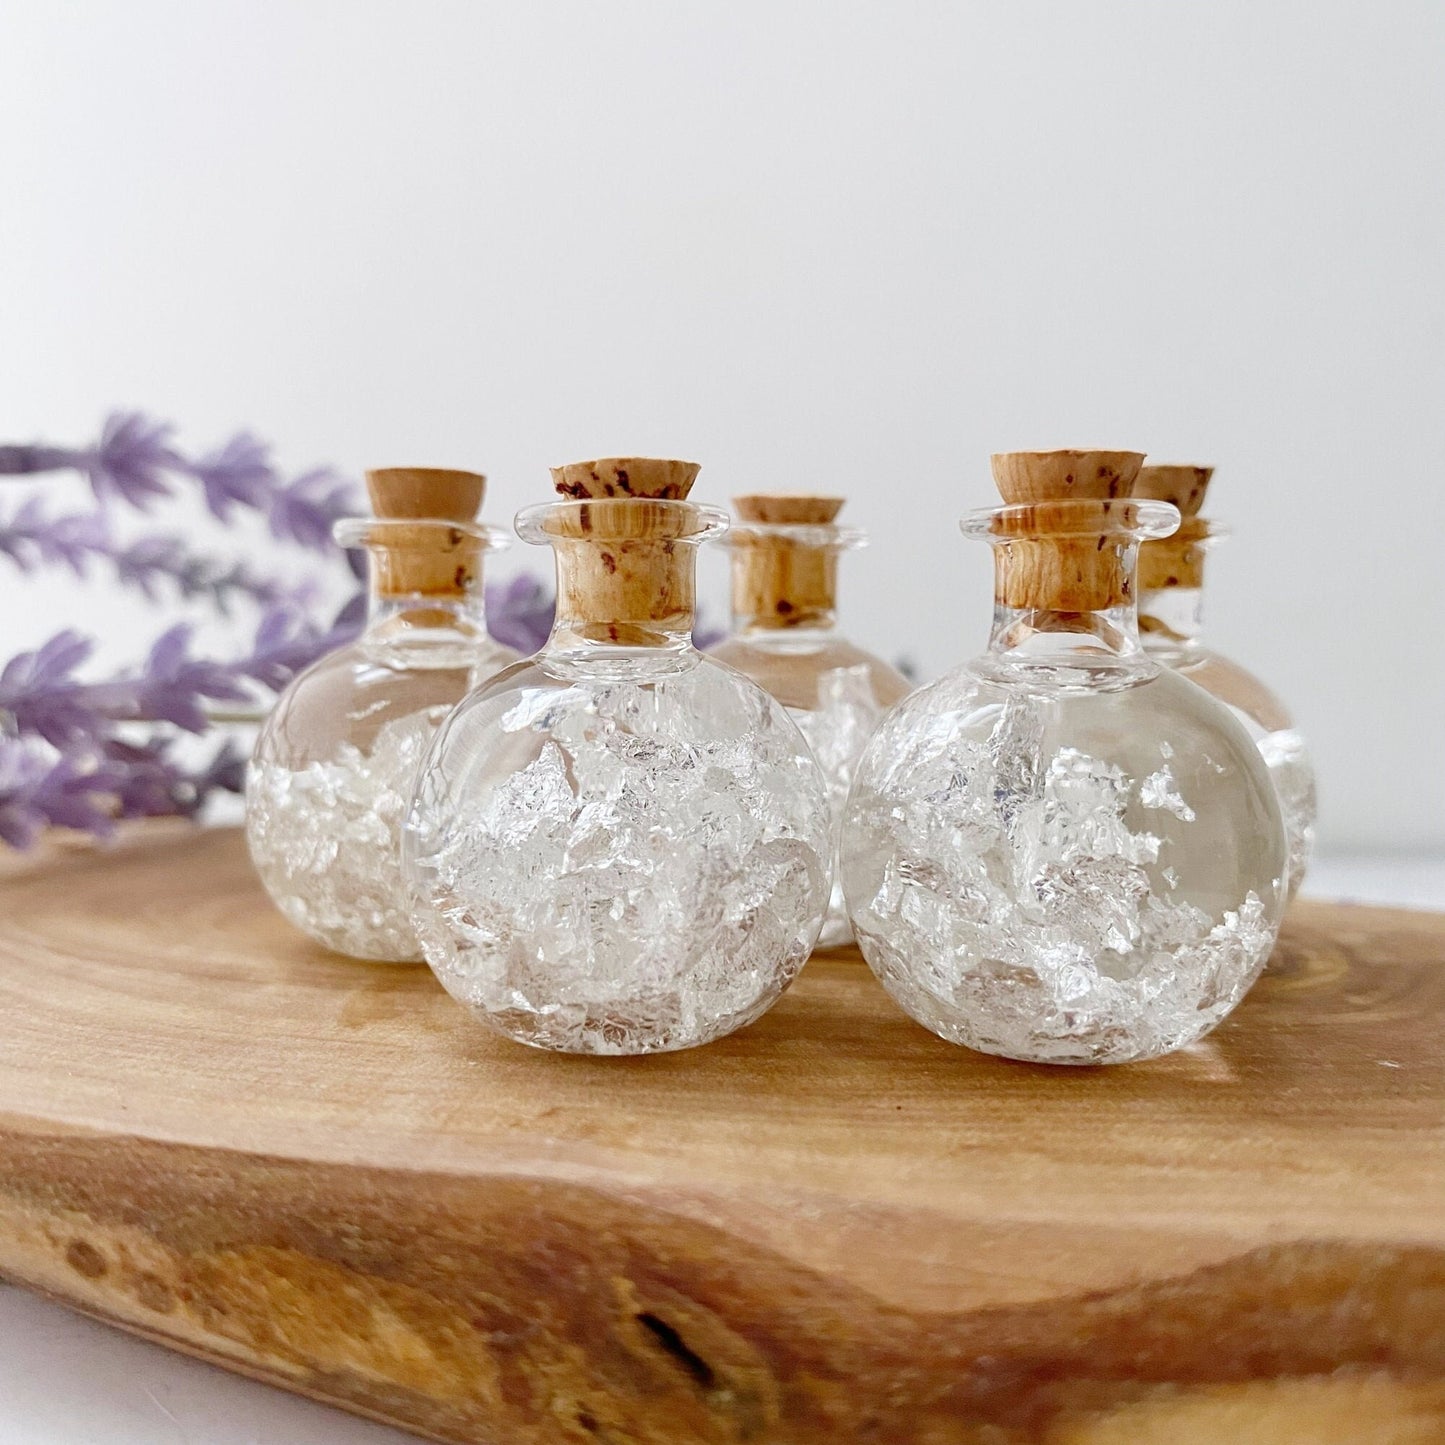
784 636
1171 579
1062 851
332 774
619 846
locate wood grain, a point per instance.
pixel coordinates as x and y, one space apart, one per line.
830 1227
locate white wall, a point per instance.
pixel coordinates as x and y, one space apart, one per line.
836 245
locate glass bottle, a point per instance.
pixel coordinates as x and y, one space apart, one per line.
1062 851
1171 576
619 846
784 636
332 773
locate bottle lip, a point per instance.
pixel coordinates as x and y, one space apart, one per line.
417 533
620 519
1201 532
1139 519
822 535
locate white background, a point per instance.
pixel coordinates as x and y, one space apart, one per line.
836 246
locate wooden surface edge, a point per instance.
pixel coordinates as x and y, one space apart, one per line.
510 1309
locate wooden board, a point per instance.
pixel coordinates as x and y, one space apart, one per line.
832 1227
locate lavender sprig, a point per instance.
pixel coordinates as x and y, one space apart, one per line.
305 510
148 783
19 460
129 461
32 536
152 560
520 613
89 789
41 695
237 474
135 459
41 788
63 760
287 643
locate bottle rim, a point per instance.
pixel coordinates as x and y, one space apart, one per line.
611 519
417 533
1139 519
821 535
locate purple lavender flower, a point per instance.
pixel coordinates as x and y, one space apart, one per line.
148 783
135 453
287 643
237 474
353 615
38 693
519 613
131 459
41 694
32 536
226 772
41 788
174 685
152 560
64 761
304 510
89 788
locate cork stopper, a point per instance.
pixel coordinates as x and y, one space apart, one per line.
1176 561
430 558
625 570
1065 475
405 493
1185 486
656 477
794 509
1068 521
782 580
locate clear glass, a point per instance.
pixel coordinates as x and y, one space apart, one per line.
619 847
333 769
834 690
1171 626
1062 852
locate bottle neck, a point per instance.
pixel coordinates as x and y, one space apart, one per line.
1066 578
1171 591
1171 623
1046 635
817 633
780 585
398 609
624 592
1057 600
